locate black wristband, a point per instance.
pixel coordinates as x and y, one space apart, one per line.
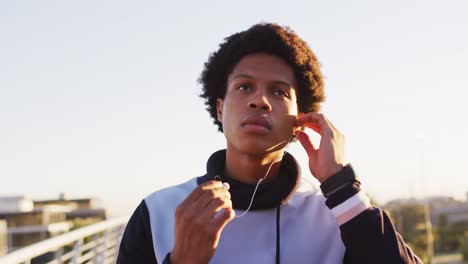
338 197
340 187
338 181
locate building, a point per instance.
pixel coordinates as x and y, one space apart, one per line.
31 221
16 204
452 210
453 214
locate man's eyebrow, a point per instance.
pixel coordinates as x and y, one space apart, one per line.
285 83
243 75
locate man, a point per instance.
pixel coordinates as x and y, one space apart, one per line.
262 88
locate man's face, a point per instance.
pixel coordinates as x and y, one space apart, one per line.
259 109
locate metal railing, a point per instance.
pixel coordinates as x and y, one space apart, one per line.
97 243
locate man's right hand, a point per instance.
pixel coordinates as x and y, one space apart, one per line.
197 224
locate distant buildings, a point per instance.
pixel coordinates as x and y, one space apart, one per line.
31 221
451 210
442 207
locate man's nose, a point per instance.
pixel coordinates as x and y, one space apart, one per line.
260 101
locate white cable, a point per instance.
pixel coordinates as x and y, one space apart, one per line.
255 191
259 181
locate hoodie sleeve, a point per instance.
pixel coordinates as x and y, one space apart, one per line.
136 245
367 232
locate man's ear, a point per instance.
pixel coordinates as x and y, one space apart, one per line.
298 129
219 109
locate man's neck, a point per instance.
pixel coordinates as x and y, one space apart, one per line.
249 168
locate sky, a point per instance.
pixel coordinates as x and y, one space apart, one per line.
100 98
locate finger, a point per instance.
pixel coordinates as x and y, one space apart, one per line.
315 121
206 198
215 206
195 214
331 125
309 117
307 144
197 193
314 127
219 222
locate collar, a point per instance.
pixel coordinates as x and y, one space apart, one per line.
269 195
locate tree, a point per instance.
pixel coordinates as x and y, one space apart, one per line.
409 222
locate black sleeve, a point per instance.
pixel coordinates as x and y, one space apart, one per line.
369 237
136 245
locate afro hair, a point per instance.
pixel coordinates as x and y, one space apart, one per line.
267 38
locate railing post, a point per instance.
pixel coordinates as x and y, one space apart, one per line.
119 230
76 251
58 254
102 256
9 242
115 235
96 249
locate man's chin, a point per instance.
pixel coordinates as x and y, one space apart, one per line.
257 148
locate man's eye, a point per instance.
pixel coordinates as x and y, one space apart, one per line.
280 93
243 87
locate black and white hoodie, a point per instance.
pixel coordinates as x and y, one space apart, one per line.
286 224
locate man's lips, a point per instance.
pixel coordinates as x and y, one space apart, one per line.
259 123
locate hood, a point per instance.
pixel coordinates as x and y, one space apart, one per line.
269 195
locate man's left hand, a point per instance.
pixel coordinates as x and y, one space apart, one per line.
329 158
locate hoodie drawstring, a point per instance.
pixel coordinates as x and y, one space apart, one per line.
278 212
